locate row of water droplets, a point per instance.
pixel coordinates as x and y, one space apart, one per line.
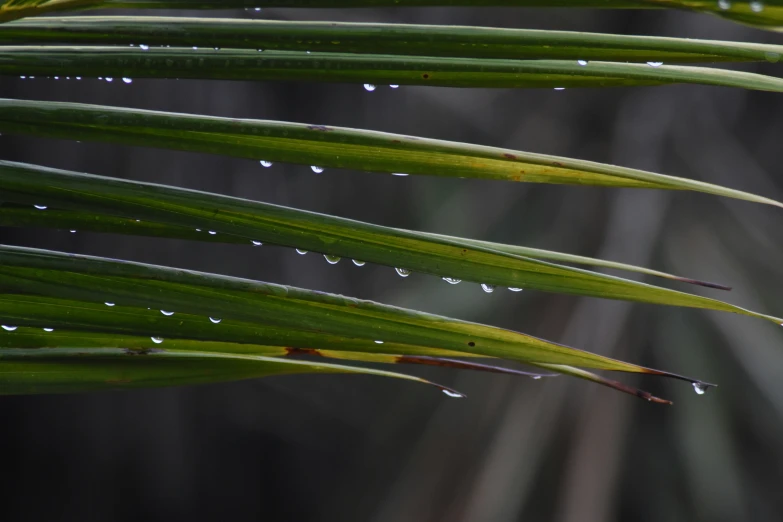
404 272
331 259
756 7
315 168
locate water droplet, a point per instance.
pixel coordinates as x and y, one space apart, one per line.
109 79
48 329
535 377
72 231
394 86
256 243
265 163
144 47
217 48
157 340
195 48
212 232
167 314
582 62
487 288
756 7
772 57
78 77
317 170
398 174
9 328
654 64
215 320
56 77
127 80
724 4
332 260
358 263
378 342
300 251
455 395
514 289
108 303
559 88
403 272
700 388
40 207
369 87
452 281
23 77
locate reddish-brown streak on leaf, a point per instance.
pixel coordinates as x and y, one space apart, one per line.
465 365
509 156
703 283
319 128
303 351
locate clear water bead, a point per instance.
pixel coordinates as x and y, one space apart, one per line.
403 272
699 388
725 5
394 86
127 80
514 289
144 47
487 288
256 243
582 62
452 281
316 169
454 395
215 320
157 340
9 328
167 314
358 263
654 64
369 87
40 207
211 232
265 163
399 174
48 329
300 251
756 7
559 88
378 342
332 260
109 79
108 303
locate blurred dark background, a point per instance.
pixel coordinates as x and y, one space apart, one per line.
325 448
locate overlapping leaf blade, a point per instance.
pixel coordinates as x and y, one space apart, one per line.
63 292
239 218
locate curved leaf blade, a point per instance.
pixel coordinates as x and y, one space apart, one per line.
99 326
768 16
242 64
44 275
374 38
326 146
428 253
